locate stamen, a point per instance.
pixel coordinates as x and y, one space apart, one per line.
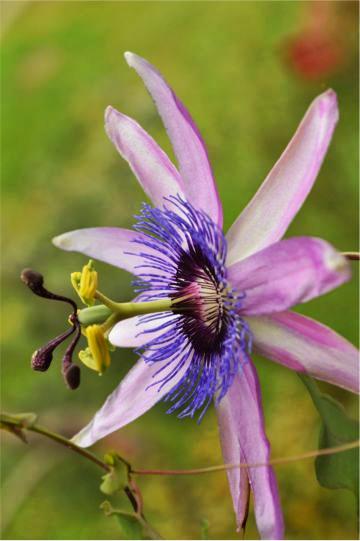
42 357
70 371
96 356
34 280
85 283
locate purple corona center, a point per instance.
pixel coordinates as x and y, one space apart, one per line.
184 255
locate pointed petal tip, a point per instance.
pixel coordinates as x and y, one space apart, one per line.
328 103
336 262
131 58
60 241
110 117
108 111
330 94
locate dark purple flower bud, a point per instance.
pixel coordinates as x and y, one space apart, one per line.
70 371
32 279
72 376
42 357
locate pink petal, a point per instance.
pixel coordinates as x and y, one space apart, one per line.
304 345
155 172
269 213
135 331
130 400
189 147
108 244
232 453
286 273
242 434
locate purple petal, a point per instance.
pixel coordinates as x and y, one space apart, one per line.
189 147
304 345
155 172
130 400
242 434
136 331
286 273
108 244
269 213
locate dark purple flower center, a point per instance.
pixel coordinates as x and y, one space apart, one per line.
184 255
201 302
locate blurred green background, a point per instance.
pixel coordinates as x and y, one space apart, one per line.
247 71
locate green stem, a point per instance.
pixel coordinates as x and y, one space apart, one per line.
120 310
13 421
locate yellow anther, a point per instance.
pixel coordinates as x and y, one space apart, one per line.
96 356
85 283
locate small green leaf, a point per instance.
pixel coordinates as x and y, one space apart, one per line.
130 523
118 476
340 470
204 528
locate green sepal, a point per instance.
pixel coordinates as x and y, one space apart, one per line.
204 528
118 477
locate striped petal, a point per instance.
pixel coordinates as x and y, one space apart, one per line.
286 273
109 244
155 172
304 345
132 398
242 434
269 213
189 147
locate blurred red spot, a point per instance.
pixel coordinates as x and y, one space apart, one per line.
326 40
313 55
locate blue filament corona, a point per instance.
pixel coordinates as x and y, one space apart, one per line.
203 343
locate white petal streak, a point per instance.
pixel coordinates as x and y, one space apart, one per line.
109 244
305 345
154 170
269 213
